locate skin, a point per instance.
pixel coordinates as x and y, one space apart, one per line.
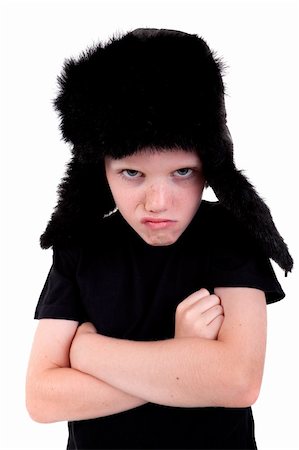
189 371
214 358
57 391
155 185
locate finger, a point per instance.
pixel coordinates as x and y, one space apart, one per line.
212 313
199 306
216 324
195 296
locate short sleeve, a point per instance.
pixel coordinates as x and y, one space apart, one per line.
60 296
236 261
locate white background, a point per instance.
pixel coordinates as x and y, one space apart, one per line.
259 42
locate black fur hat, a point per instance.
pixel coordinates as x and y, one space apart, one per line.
148 88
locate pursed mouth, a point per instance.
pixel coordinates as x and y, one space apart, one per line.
152 220
157 224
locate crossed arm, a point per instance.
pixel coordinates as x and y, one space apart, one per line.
97 375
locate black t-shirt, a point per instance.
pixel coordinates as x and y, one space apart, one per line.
129 289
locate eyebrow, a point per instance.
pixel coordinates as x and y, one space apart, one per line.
137 168
121 163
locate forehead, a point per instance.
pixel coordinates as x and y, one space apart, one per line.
157 157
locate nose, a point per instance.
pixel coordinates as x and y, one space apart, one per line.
157 198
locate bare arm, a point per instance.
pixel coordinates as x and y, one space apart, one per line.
56 392
189 371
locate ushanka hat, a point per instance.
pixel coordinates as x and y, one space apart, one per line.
148 88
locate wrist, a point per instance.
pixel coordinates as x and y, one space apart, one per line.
85 352
77 353
80 345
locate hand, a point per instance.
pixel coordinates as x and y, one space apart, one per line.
86 327
199 315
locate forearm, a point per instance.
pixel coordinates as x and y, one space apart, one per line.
61 394
183 372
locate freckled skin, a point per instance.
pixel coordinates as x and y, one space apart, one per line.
164 185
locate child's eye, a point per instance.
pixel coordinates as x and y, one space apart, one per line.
184 172
128 173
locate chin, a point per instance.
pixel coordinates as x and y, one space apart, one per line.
158 241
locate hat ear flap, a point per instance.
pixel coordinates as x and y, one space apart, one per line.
239 196
84 197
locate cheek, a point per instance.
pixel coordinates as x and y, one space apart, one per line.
126 199
192 196
119 191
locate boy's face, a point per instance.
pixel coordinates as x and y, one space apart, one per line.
157 193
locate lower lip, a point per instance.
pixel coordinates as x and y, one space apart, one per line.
159 225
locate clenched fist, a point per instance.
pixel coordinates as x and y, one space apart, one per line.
199 315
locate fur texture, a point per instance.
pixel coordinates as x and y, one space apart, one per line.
148 88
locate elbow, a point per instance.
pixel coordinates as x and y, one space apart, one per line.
247 397
36 415
246 391
36 412
39 414
253 390
36 408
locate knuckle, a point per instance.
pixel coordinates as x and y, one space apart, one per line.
215 298
180 307
219 309
204 292
188 315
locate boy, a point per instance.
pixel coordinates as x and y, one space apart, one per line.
146 324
